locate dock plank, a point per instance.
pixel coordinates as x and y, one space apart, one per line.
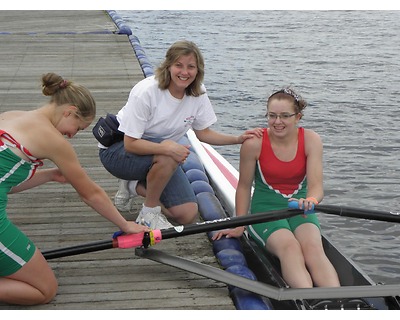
81 46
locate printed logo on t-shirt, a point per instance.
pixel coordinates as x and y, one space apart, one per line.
188 121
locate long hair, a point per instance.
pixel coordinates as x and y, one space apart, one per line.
178 49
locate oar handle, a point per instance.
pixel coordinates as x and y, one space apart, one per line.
295 205
134 240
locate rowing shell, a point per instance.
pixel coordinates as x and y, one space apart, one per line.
223 178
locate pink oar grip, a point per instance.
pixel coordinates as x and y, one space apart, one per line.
157 236
130 240
133 240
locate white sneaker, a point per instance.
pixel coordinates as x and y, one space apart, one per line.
123 199
153 218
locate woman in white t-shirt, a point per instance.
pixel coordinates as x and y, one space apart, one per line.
159 111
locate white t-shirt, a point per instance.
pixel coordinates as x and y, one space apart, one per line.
154 113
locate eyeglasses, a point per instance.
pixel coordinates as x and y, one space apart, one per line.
283 116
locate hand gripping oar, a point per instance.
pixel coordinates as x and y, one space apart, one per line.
351 212
149 238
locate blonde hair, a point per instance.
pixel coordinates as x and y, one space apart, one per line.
178 49
67 92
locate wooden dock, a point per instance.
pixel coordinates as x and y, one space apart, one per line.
82 46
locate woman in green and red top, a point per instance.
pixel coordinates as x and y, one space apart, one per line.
286 164
25 276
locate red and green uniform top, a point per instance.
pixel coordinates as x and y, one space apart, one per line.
276 181
15 248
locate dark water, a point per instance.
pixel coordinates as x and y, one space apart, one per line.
346 64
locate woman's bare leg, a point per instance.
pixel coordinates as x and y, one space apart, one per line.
321 269
284 245
35 283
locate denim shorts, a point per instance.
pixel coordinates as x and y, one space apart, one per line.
129 166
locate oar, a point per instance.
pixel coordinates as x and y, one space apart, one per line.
266 289
149 238
146 239
351 212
